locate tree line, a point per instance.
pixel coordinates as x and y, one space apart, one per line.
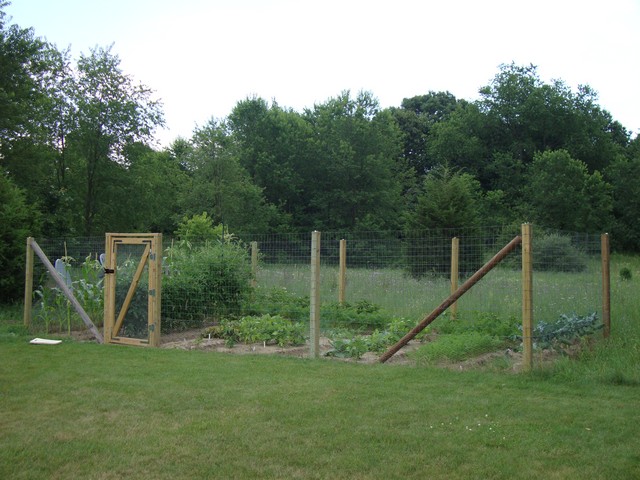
78 158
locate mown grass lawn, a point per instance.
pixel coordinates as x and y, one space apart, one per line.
105 412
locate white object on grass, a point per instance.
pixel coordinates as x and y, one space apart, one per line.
44 341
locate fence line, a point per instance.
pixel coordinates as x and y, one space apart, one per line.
366 280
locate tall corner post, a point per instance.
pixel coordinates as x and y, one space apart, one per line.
109 291
455 256
155 300
342 273
527 297
314 315
254 264
606 285
28 283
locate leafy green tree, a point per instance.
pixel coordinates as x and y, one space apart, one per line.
22 68
415 118
18 220
219 184
524 115
113 112
623 175
449 203
276 147
562 194
450 199
357 179
458 140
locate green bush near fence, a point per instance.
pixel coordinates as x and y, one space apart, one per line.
207 281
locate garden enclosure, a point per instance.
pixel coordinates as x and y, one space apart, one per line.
377 284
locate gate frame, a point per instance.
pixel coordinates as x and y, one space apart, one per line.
152 255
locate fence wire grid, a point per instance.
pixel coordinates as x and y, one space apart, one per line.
244 282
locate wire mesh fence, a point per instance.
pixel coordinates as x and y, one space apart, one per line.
256 288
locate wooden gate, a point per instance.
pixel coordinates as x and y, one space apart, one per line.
132 288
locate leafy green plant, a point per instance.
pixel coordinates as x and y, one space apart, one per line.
278 301
564 331
362 315
210 280
347 344
625 274
266 329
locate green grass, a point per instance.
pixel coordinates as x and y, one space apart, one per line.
90 411
82 410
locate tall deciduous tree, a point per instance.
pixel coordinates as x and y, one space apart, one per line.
623 175
563 194
357 178
415 117
220 186
276 147
112 112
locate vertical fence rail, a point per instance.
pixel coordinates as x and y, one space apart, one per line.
254 263
342 273
606 286
28 283
527 297
455 257
314 306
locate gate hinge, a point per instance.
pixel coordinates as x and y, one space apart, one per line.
152 256
152 292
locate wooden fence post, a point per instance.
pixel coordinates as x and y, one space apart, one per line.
28 284
254 264
342 274
455 254
606 285
527 297
314 307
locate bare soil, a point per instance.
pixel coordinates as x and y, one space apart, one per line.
504 360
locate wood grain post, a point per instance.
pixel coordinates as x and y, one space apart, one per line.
254 264
314 307
342 273
606 285
527 297
155 291
28 284
455 257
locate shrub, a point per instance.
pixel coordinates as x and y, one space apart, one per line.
362 315
279 301
625 274
555 252
205 281
552 252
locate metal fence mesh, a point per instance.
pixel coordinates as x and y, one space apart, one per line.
393 279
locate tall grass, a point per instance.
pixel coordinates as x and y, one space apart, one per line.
400 294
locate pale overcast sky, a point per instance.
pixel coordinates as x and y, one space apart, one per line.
202 57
